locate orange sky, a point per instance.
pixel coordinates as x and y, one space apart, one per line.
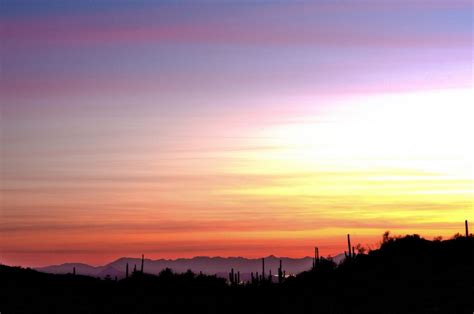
299 182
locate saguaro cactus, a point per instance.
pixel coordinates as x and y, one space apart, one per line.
143 261
349 246
74 270
280 273
467 228
316 257
231 276
126 271
263 268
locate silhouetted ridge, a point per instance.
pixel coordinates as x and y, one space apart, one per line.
405 275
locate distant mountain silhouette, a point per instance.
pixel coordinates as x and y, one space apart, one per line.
67 268
219 266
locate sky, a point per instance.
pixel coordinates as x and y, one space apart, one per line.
231 128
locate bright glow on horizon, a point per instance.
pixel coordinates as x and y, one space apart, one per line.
377 156
412 131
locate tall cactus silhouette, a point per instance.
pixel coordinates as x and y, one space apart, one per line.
143 261
467 228
349 248
126 271
280 273
316 256
263 269
231 276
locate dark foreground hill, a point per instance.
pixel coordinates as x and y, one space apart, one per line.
406 275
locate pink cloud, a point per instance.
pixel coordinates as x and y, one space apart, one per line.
58 32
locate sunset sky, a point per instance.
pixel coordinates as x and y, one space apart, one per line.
231 128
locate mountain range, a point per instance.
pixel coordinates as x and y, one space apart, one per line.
219 266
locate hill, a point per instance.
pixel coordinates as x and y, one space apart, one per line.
405 275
